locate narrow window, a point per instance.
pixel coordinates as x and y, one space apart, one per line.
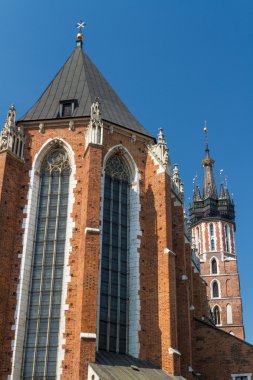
198 239
227 238
215 289
214 266
216 315
114 262
212 237
229 314
43 315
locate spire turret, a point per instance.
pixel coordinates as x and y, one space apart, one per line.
209 188
211 204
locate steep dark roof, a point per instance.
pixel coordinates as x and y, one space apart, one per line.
79 79
111 366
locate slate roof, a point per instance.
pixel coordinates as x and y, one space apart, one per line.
111 366
80 79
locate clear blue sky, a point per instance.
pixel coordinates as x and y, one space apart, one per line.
174 63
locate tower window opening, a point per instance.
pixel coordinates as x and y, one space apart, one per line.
214 266
215 290
216 315
212 237
198 239
227 238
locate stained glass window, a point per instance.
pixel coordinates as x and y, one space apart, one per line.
114 262
44 305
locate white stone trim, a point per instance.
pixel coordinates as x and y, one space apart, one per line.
249 375
184 277
167 250
220 309
92 230
134 256
218 266
211 288
204 248
88 336
28 237
174 351
92 375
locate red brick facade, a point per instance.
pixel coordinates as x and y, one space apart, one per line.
227 272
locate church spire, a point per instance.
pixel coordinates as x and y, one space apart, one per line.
209 188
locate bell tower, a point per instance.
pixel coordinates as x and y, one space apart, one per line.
213 227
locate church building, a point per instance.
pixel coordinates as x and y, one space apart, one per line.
99 275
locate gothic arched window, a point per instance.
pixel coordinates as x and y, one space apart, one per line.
212 237
44 303
214 266
229 314
227 238
215 289
114 260
216 315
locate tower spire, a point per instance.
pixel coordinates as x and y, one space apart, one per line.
209 188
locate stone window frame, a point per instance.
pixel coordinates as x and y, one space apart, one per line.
26 259
219 289
212 236
234 376
218 266
134 245
216 305
232 321
227 238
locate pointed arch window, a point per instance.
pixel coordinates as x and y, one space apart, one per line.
214 266
212 237
114 260
216 315
229 314
227 238
215 289
44 301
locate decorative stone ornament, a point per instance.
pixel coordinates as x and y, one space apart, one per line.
177 183
95 127
160 151
12 137
42 128
71 125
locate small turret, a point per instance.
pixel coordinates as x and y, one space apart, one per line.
210 204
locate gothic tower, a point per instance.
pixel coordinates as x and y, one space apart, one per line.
213 231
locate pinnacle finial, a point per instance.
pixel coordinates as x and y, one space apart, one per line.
206 132
80 26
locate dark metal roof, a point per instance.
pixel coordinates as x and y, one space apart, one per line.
121 367
80 80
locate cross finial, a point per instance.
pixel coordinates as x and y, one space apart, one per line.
206 131
80 26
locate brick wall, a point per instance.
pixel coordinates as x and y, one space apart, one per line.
218 354
11 196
